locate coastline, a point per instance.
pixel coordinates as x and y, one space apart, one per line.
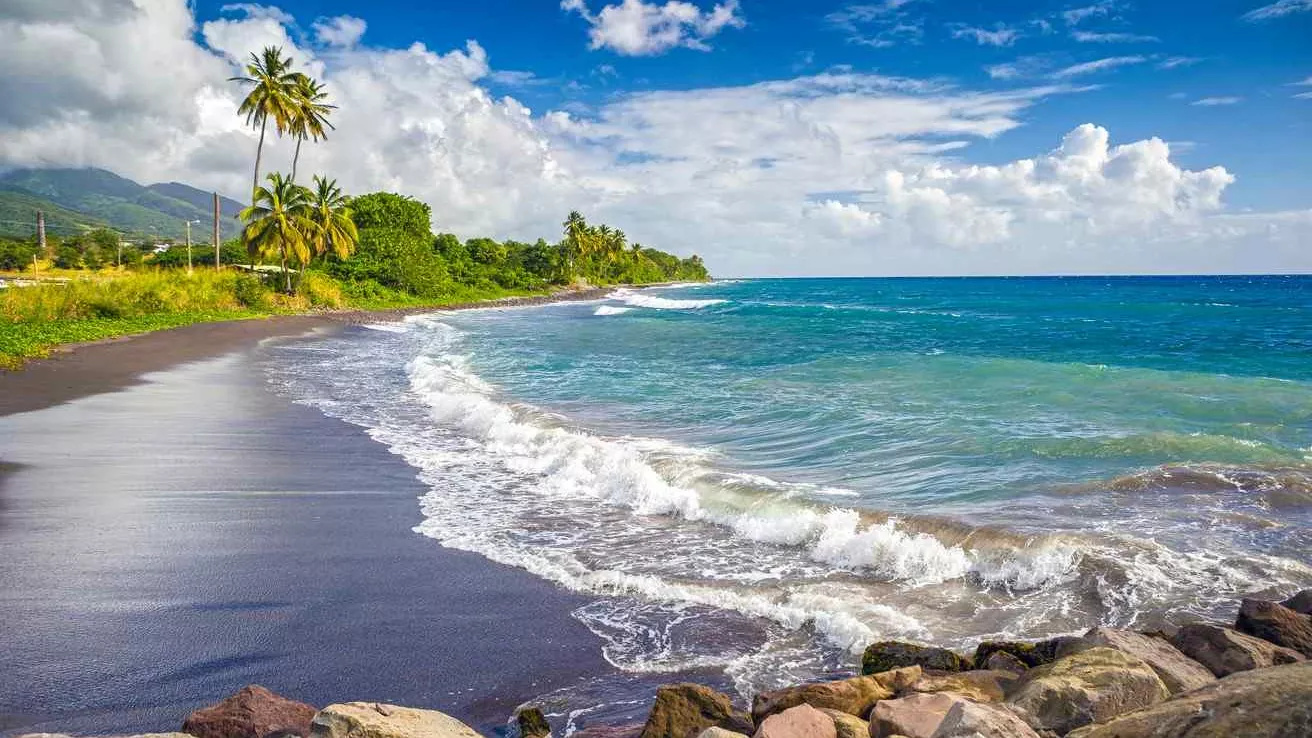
83 369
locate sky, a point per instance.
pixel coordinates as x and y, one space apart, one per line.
774 138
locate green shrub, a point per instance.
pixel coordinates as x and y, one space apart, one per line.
250 292
320 289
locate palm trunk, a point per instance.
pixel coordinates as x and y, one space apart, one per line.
297 157
259 151
287 276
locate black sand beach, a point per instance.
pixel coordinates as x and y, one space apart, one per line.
166 543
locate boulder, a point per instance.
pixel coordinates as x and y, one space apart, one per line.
532 723
253 712
134 735
1272 621
378 720
802 721
889 655
1178 672
853 696
1224 651
979 685
685 710
1301 602
632 730
973 720
1003 661
848 726
1091 686
914 716
1030 654
712 733
1265 703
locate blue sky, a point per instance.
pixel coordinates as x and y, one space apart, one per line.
774 138
1262 139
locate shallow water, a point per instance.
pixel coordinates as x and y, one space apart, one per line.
764 476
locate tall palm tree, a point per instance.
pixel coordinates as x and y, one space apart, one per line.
311 116
273 95
577 236
332 229
277 223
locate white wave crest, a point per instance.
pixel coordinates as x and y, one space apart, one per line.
638 299
611 310
387 327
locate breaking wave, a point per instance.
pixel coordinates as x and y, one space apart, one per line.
639 299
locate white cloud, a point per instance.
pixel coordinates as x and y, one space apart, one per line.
1278 9
1091 37
879 25
1302 83
1303 96
839 173
1098 65
1075 16
1210 102
1178 61
999 35
343 30
637 28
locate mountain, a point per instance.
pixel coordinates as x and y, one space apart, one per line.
18 216
99 197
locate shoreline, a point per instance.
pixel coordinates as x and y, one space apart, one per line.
79 370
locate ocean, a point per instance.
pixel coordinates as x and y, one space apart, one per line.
764 476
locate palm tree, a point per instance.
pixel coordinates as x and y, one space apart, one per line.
332 229
576 237
311 116
273 95
277 223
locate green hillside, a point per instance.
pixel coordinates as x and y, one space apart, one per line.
228 208
18 216
98 196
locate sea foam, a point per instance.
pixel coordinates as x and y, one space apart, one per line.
639 299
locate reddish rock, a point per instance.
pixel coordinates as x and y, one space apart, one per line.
254 712
1224 651
1272 621
916 716
802 721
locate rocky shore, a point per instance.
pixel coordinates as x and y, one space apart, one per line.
1201 681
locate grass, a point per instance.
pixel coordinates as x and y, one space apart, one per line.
90 307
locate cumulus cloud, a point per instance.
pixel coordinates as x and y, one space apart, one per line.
344 30
838 173
1278 9
637 28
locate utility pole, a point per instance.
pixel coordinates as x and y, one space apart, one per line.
41 231
216 230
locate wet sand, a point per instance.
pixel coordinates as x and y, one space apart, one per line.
168 538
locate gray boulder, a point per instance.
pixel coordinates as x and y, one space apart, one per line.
1224 651
1301 602
973 720
1264 703
1178 672
1091 686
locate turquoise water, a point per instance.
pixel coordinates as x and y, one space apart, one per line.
798 467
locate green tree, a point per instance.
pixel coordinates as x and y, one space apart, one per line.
273 95
278 223
332 229
310 119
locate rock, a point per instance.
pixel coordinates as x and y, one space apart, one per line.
378 720
685 710
1301 602
1091 686
980 685
802 721
1272 621
1265 703
1030 654
134 735
973 720
632 730
1224 651
848 726
889 655
532 723
253 712
1003 661
853 696
714 733
913 716
1178 672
